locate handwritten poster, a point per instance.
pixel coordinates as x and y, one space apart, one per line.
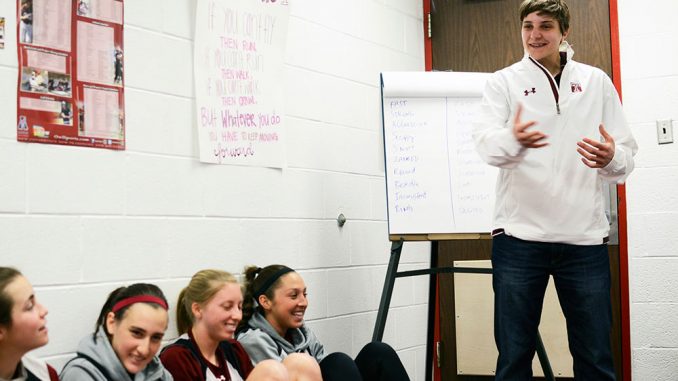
238 63
70 86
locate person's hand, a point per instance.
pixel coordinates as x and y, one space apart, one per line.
597 154
528 139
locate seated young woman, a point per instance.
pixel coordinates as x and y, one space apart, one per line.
208 312
127 337
22 329
275 329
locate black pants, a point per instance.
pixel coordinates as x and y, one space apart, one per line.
377 361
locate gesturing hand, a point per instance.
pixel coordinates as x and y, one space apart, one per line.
597 154
528 139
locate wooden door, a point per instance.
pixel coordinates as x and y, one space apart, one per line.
484 36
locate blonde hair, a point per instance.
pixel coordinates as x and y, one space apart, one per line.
202 287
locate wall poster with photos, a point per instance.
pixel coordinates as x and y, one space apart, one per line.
71 83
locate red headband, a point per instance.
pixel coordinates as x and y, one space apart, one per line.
138 299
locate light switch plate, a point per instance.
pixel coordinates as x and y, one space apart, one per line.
664 131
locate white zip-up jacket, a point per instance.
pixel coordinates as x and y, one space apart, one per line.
548 194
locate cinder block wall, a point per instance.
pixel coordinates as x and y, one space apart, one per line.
79 222
649 51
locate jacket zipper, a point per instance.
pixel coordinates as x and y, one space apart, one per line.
552 82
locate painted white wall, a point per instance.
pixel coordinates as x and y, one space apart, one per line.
79 221
649 56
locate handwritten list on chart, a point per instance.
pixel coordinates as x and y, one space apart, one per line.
238 63
471 178
436 181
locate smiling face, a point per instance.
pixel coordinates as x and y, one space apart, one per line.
28 330
541 37
287 308
220 315
137 337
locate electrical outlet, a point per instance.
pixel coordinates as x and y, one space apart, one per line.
664 131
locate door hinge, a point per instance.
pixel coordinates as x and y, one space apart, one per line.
439 350
428 16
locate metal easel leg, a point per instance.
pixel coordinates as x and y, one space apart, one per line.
391 272
544 360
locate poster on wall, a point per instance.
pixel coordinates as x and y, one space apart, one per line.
70 88
238 66
2 32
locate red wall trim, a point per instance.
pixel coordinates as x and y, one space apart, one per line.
427 41
625 301
428 65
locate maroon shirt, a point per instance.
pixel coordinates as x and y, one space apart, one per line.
182 363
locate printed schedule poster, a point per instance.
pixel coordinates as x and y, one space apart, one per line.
70 88
2 32
238 62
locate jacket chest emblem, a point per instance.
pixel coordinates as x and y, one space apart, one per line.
575 87
528 92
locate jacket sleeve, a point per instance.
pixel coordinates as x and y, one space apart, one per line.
625 146
246 365
316 348
259 346
492 132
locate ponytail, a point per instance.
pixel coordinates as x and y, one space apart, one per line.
184 316
248 306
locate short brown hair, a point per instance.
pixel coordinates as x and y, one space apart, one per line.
555 8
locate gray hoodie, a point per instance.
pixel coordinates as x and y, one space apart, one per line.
261 341
99 349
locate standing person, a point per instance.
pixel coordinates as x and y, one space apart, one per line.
275 329
208 312
33 82
26 22
118 66
127 336
65 112
556 130
22 329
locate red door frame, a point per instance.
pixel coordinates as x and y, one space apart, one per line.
621 205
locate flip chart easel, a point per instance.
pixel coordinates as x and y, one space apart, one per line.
437 186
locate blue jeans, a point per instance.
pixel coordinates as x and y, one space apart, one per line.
581 275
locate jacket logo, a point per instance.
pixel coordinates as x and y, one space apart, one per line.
533 91
575 87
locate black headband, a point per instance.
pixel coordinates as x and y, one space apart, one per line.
272 279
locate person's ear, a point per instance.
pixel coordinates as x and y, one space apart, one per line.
264 302
110 322
196 310
3 332
565 34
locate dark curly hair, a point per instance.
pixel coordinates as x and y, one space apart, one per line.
255 278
